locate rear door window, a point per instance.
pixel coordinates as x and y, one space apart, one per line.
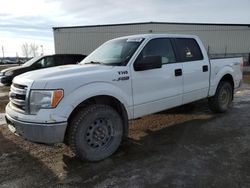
188 49
79 58
70 59
59 60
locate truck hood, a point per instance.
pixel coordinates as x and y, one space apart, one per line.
63 71
71 77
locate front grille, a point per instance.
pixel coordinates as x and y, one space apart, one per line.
18 96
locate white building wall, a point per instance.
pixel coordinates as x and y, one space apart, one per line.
220 39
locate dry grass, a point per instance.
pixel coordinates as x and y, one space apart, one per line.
246 78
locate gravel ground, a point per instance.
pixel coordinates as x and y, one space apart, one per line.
183 147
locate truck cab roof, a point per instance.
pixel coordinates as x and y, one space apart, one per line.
159 35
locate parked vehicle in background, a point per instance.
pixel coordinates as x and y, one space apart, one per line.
7 75
88 105
13 60
7 61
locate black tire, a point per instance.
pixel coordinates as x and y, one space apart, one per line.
95 132
222 99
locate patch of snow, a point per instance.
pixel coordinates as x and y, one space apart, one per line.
2 119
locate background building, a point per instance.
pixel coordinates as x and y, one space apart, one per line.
219 39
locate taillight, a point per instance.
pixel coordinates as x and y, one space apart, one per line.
241 66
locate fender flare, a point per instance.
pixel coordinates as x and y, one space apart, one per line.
81 94
227 70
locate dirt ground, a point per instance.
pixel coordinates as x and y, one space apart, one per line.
183 147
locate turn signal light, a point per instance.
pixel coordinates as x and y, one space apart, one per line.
56 98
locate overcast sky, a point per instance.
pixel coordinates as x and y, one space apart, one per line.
31 21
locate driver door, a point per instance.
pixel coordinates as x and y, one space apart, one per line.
157 89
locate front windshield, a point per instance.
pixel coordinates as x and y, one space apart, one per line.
31 61
114 52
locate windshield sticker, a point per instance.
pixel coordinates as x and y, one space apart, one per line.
135 40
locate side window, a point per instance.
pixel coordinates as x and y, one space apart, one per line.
45 62
49 62
64 60
70 59
40 63
159 47
59 60
188 49
79 58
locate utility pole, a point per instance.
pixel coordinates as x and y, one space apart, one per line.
41 49
17 58
3 53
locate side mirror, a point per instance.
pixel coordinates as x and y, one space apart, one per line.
147 63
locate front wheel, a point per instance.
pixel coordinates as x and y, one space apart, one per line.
222 99
95 132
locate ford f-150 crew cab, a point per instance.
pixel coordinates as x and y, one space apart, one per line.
88 105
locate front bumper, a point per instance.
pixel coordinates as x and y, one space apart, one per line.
42 133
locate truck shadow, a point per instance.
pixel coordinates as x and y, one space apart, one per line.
185 153
20 169
140 162
161 157
198 107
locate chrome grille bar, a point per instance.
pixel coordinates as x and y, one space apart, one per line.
17 96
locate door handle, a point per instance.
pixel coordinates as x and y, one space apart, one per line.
178 72
205 68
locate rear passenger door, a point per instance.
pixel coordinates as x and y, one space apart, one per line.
195 69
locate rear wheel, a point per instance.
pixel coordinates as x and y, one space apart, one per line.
95 132
222 99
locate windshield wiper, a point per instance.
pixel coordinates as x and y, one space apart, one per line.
101 63
94 62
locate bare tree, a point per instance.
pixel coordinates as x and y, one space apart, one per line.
25 49
33 49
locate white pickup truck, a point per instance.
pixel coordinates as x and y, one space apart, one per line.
88 105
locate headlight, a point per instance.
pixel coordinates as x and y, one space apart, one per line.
40 99
8 73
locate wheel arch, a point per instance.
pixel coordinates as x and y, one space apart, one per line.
103 99
225 74
227 78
